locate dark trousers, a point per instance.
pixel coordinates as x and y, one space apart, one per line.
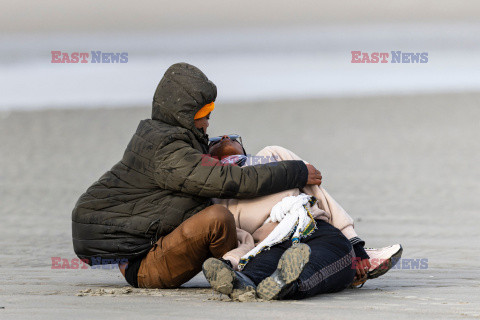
329 269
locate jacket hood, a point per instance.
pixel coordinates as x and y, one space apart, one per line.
183 90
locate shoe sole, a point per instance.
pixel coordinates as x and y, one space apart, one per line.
289 268
219 275
386 265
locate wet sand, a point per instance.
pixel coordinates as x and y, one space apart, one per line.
406 168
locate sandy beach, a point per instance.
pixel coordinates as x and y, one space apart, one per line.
405 167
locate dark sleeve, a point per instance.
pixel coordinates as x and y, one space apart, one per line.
181 168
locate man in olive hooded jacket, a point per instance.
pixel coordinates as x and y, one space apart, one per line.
153 208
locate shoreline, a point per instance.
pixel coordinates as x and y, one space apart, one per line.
363 98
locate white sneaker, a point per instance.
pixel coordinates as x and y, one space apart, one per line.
383 259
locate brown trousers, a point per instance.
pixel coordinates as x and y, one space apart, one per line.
178 256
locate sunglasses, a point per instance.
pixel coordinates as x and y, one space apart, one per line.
233 137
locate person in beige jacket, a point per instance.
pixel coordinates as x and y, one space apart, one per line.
253 216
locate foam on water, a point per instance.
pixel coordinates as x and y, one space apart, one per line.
255 64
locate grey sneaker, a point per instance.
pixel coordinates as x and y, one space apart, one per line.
223 279
383 259
289 268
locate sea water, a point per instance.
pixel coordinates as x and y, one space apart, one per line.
245 64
